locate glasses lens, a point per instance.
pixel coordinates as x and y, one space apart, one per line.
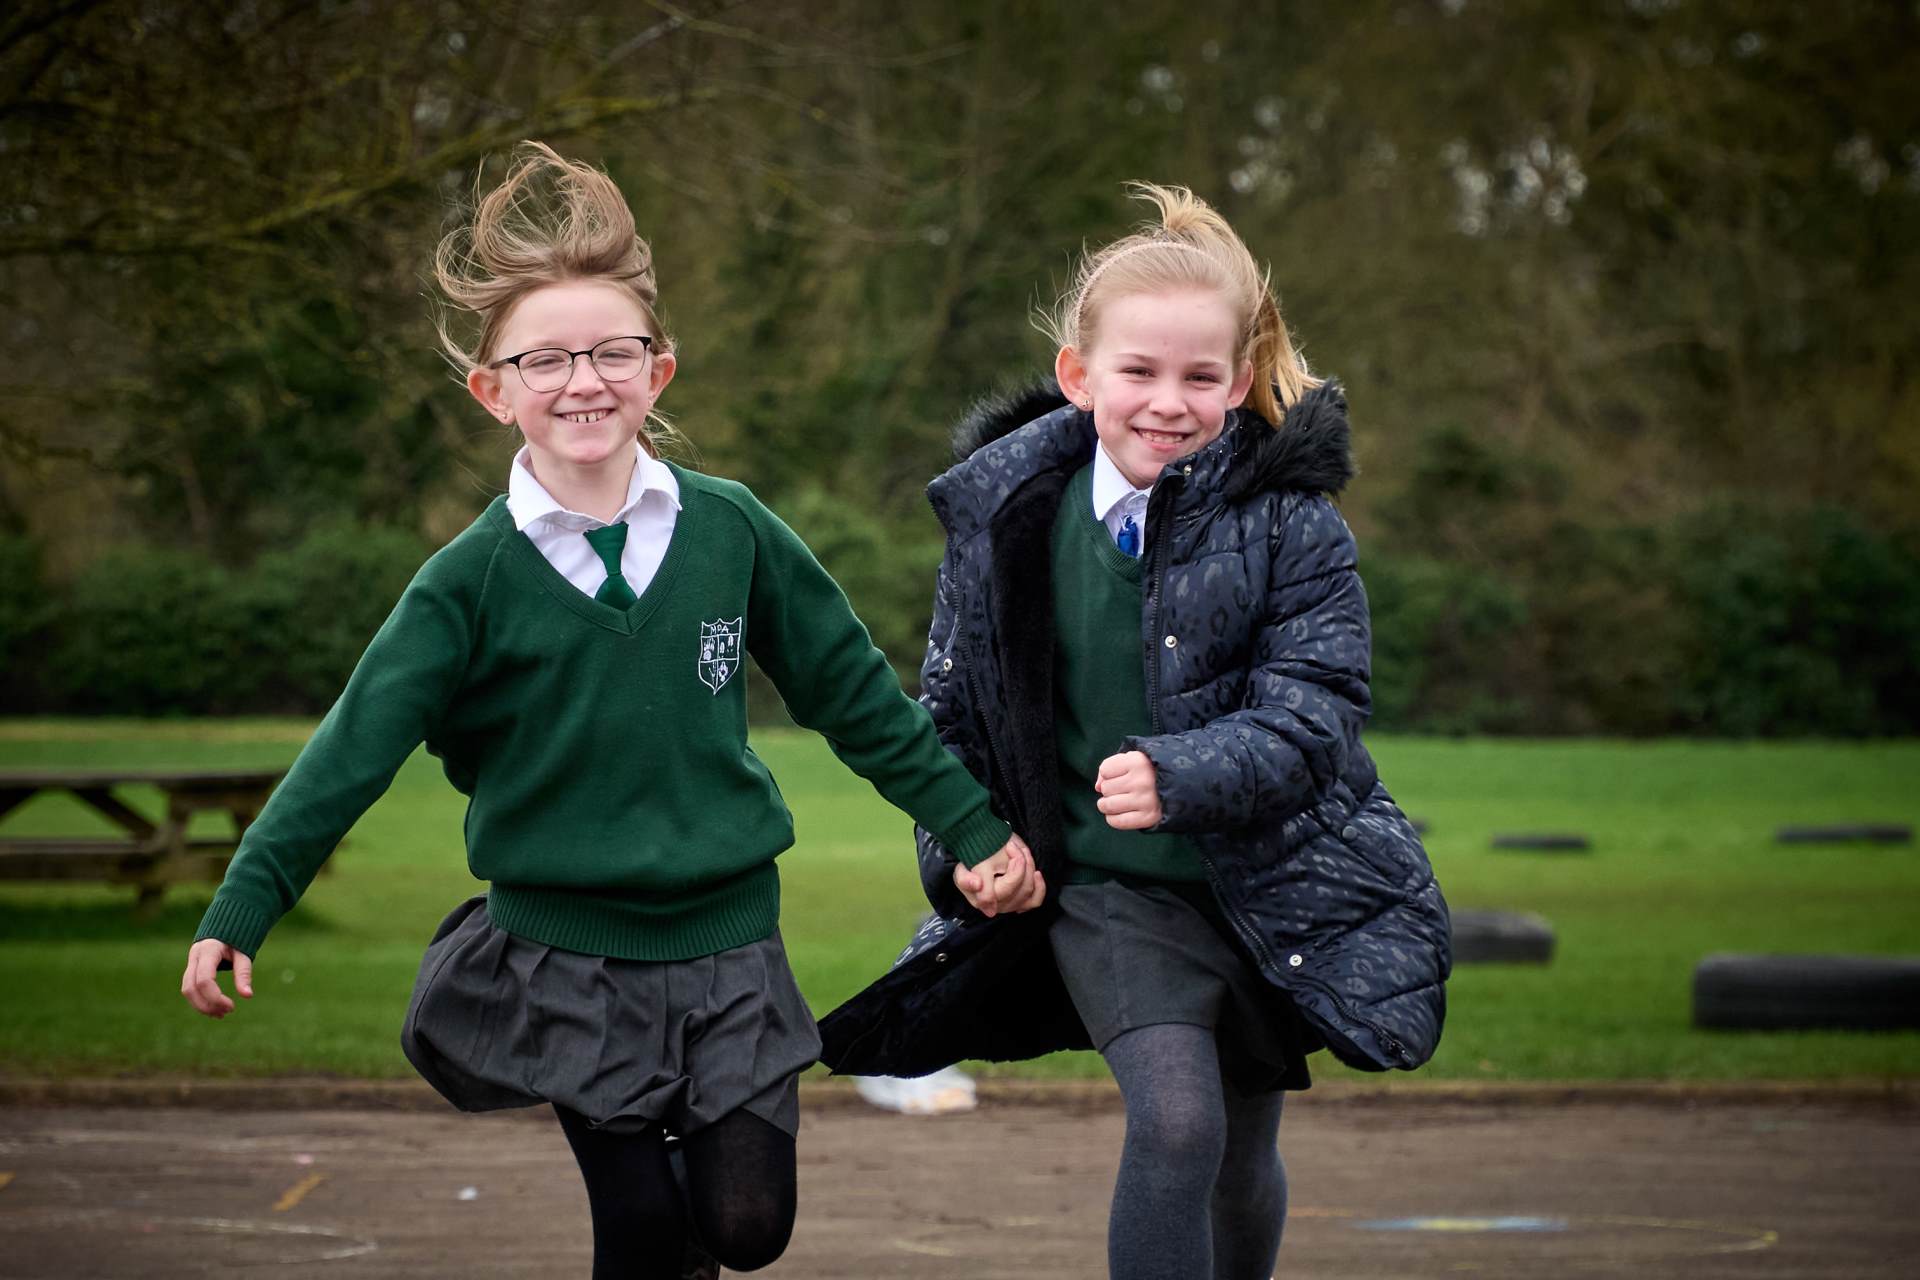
618 359
546 369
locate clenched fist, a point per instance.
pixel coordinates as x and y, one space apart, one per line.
1129 793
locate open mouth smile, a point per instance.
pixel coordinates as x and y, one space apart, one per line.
584 419
1164 439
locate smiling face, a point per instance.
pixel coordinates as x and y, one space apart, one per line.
589 423
1161 375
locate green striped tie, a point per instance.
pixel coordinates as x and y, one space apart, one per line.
608 543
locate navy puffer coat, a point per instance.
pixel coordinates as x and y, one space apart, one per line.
1256 646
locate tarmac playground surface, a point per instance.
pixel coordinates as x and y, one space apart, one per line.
1503 1183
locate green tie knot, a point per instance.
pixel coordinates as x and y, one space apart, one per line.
608 543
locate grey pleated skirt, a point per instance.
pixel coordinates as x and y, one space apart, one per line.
501 1021
1135 953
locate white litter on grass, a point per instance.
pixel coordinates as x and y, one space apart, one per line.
945 1092
468 1193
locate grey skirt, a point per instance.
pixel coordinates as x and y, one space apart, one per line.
1135 953
501 1021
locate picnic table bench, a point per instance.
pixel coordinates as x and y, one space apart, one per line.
149 854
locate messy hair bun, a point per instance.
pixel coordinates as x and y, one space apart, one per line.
549 221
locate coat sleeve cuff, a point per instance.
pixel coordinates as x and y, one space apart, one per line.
1179 781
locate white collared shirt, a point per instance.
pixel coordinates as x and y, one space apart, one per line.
652 506
1115 498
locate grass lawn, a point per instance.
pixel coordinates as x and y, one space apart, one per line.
1683 865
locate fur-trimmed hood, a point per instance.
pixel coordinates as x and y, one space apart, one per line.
1311 452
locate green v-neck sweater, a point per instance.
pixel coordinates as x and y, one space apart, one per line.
1100 694
612 800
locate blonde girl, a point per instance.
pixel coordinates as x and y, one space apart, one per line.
1151 642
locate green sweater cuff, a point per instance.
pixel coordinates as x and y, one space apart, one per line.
238 924
979 836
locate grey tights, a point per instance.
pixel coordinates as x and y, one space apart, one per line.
1202 1193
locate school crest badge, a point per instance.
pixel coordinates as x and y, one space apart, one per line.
719 652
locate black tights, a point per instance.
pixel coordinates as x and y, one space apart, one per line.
739 1196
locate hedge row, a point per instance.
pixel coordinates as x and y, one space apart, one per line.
1741 621
1747 622
151 631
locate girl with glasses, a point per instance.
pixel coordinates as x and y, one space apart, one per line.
574 659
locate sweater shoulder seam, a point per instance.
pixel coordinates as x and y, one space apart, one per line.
731 492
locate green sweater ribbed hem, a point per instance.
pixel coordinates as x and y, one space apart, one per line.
240 925
643 926
978 837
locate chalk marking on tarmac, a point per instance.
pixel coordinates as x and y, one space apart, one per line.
349 1246
346 1246
931 1250
298 1192
907 1244
1755 1238
1465 1226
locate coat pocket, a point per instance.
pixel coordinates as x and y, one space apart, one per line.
1371 836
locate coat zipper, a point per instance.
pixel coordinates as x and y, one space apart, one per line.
1150 642
1387 1038
1156 557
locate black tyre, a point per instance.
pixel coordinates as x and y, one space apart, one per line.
1551 843
1501 937
1846 833
1775 993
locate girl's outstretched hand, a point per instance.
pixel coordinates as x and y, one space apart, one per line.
1008 881
1129 792
202 989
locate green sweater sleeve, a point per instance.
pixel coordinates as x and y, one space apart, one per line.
391 704
804 635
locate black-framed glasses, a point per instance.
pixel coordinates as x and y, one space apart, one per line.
551 368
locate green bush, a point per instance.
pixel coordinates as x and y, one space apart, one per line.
1510 610
23 617
886 570
310 611
145 631
148 631
1444 635
1737 620
1801 623
1607 631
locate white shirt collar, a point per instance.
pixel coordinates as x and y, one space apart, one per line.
1110 488
528 499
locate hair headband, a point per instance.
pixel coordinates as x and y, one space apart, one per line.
1086 286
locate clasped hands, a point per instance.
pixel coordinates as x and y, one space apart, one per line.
1009 881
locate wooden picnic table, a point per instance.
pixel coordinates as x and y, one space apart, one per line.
149 854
